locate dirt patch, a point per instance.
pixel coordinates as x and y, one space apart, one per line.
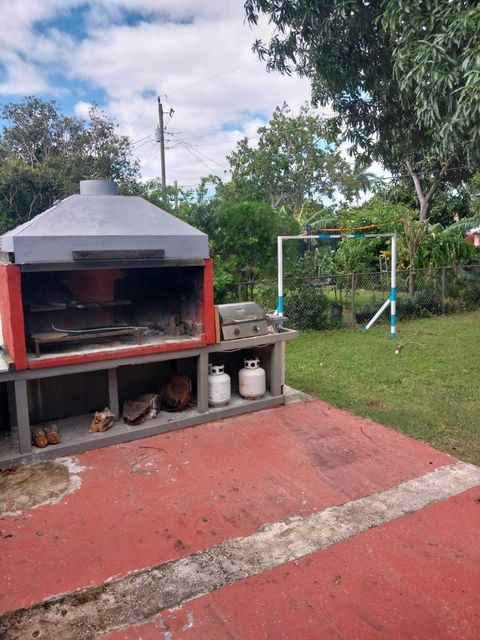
377 405
37 484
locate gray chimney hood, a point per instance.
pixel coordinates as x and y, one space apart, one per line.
97 222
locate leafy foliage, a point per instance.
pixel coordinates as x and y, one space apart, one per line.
244 239
296 158
314 315
436 62
401 75
448 205
44 154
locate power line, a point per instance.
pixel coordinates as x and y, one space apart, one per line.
222 166
218 75
202 161
143 144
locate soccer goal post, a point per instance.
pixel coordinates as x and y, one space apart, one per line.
390 302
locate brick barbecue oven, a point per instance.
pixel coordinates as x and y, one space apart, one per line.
106 307
101 275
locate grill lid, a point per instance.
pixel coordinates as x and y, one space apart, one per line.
240 312
242 320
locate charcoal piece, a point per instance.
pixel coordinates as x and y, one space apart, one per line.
102 421
172 325
144 408
53 435
189 324
175 392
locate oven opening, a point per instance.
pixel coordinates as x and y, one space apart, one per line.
70 312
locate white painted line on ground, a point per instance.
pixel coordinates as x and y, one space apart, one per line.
138 597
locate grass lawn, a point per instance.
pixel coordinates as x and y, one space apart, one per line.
430 390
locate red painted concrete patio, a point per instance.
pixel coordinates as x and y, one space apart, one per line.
157 499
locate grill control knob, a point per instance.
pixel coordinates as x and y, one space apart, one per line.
236 331
256 328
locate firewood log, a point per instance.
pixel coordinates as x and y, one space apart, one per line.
152 400
175 392
102 421
39 438
52 433
142 409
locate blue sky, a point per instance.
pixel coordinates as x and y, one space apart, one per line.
121 54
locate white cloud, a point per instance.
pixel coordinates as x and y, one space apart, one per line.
21 77
198 53
207 70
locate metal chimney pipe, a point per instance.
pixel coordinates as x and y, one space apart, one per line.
98 188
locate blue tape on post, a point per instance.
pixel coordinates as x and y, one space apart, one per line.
280 304
323 237
393 293
393 325
359 235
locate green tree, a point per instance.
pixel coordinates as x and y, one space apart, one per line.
449 204
401 75
245 240
295 158
44 155
355 255
436 62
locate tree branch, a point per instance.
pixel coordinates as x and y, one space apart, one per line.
416 180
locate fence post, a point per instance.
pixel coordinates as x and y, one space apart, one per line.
443 291
353 300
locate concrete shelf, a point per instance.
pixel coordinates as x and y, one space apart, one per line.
16 447
76 438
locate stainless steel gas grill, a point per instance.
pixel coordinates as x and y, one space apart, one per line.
242 320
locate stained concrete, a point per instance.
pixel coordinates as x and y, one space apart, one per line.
86 614
37 484
203 533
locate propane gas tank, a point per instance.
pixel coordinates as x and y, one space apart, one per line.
219 387
251 379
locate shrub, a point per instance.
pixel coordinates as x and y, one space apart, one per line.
265 294
469 289
365 311
405 307
307 307
427 302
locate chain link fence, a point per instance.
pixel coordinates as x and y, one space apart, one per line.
348 300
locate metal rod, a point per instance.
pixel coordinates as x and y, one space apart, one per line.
393 288
384 306
280 240
338 235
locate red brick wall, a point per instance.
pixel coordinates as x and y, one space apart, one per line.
11 310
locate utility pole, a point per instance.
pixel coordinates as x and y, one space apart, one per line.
161 140
176 194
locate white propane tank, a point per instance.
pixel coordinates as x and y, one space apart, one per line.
251 379
219 387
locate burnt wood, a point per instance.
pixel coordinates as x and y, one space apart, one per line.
50 337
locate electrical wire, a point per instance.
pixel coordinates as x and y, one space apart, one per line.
200 160
205 155
218 75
